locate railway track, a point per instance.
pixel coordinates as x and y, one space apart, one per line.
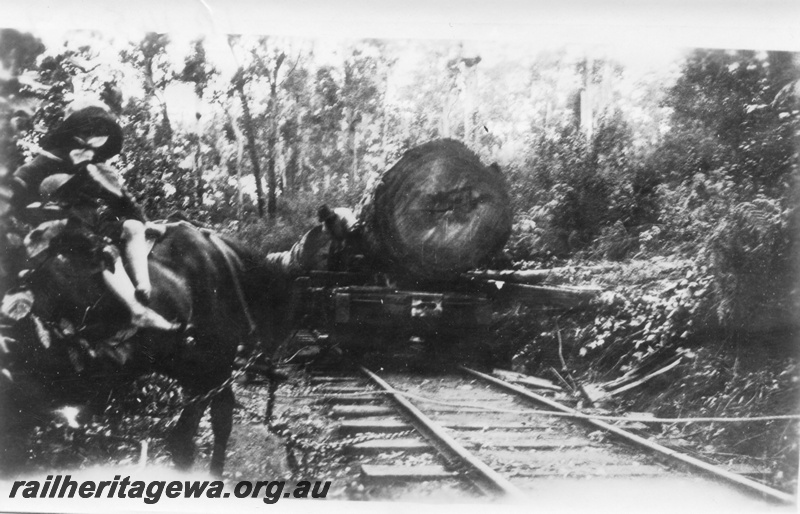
467 435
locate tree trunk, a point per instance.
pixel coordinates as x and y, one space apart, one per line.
272 181
251 143
239 161
444 122
162 134
290 174
198 173
354 143
436 213
469 107
384 113
198 159
237 133
272 138
587 100
301 145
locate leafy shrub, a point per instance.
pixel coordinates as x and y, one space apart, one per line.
580 210
641 330
615 242
526 337
630 334
690 211
532 236
731 111
143 410
650 239
297 213
713 384
581 188
634 201
627 330
750 253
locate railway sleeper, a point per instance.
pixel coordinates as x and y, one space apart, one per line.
360 411
377 472
350 399
378 446
326 379
605 471
344 390
380 426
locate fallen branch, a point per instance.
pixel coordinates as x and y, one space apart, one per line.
531 276
561 379
531 381
645 378
560 348
591 393
561 296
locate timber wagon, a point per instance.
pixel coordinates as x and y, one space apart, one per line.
401 267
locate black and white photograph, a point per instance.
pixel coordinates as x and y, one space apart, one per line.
439 255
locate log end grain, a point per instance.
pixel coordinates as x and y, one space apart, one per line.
438 211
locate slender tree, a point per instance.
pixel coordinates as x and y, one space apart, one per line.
238 83
198 71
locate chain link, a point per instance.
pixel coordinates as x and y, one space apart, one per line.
225 384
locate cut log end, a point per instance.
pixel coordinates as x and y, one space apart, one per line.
438 210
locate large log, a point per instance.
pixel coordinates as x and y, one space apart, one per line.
568 297
436 213
533 276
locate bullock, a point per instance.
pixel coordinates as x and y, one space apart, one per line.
221 294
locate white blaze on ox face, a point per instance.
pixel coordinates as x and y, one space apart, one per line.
70 415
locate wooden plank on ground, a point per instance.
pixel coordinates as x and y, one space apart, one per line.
646 378
561 296
532 276
497 426
606 471
332 380
350 399
747 469
344 390
382 472
384 426
548 444
639 421
528 380
360 411
591 393
456 410
406 445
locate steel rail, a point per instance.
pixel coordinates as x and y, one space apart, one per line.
440 438
746 483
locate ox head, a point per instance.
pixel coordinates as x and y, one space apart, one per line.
65 264
60 304
45 322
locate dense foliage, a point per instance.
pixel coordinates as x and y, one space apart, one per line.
693 172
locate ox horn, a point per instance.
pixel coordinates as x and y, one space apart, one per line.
4 344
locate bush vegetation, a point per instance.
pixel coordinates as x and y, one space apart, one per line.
697 179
